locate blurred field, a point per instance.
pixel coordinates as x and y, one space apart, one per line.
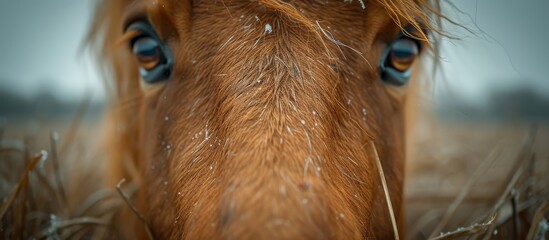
478 158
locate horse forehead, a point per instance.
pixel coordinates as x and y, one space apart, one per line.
222 30
339 25
364 17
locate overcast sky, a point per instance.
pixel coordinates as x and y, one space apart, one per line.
40 39
509 47
40 43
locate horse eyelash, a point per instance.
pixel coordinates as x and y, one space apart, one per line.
127 37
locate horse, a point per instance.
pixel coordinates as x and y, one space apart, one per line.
261 119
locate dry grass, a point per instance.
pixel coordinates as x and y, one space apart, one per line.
478 181
470 181
50 186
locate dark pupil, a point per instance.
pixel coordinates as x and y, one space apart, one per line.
403 53
404 49
147 51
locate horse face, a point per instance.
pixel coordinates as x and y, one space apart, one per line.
257 119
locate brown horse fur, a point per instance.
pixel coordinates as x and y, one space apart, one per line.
260 135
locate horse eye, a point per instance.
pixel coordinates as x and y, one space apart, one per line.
148 53
397 60
153 56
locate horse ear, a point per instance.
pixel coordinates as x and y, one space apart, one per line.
121 78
